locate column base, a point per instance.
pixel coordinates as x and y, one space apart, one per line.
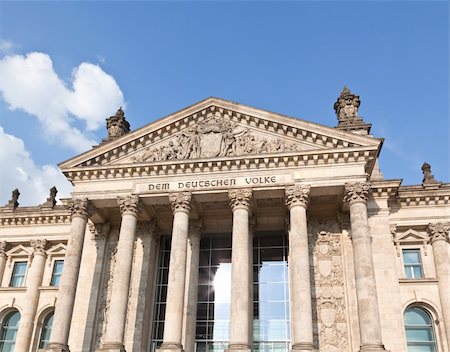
170 347
57 347
302 347
237 347
112 347
372 348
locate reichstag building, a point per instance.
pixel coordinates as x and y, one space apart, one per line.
223 227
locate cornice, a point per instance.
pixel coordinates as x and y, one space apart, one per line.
300 130
365 155
385 188
34 216
419 196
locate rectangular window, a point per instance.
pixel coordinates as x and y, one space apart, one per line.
18 274
412 263
57 271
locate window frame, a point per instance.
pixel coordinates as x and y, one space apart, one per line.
431 326
410 267
6 317
51 283
43 326
23 283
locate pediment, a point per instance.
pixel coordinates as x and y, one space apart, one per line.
18 250
411 236
57 249
218 129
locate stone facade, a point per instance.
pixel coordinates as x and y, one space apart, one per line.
219 167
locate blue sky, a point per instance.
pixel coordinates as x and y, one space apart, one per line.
66 66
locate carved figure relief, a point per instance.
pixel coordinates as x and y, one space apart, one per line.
329 300
216 137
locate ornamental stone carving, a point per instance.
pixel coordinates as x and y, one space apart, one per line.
3 248
51 200
346 108
13 202
356 192
180 201
438 231
117 125
215 137
99 231
428 178
129 205
79 207
38 246
297 195
240 198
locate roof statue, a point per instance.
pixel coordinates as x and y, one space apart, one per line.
13 203
428 178
346 108
51 200
117 126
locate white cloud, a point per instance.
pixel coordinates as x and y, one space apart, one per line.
6 46
29 83
18 170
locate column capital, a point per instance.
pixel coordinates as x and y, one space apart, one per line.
3 248
180 201
356 192
297 195
129 205
99 231
195 228
38 246
240 198
438 231
80 207
147 228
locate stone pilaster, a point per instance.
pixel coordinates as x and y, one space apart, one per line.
80 210
2 259
34 280
173 325
297 198
356 195
439 238
117 316
191 287
241 276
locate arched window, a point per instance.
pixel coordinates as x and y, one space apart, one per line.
9 332
46 330
419 330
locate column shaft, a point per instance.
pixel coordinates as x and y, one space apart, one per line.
34 280
299 271
439 237
366 291
2 260
191 288
69 277
241 276
177 273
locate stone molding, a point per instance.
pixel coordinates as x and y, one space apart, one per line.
35 220
265 161
79 207
129 205
180 201
438 231
356 192
240 198
38 246
297 195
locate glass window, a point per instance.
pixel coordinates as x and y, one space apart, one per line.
46 331
18 274
412 263
419 330
9 332
57 271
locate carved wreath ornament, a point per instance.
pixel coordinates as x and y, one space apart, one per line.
216 137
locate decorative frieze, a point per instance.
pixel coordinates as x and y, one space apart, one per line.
240 198
129 204
297 195
356 192
438 231
79 207
180 201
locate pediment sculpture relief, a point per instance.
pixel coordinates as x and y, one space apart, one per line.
216 137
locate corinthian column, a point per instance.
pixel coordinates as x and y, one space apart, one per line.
356 195
117 316
34 280
191 287
302 335
241 276
69 278
173 324
2 259
439 239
